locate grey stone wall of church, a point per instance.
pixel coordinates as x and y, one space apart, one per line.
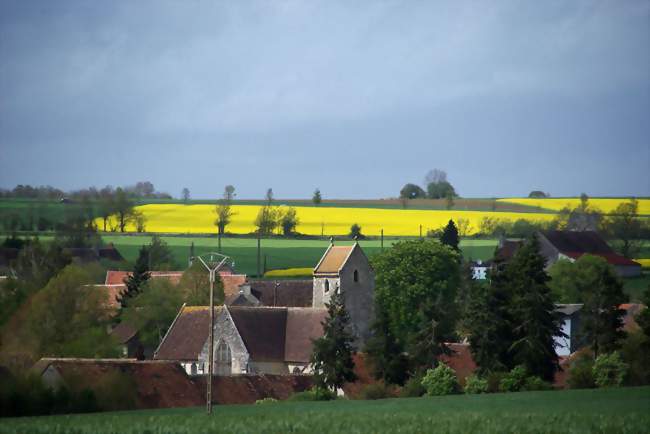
224 330
320 295
359 295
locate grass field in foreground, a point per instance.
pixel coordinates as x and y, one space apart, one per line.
574 411
279 253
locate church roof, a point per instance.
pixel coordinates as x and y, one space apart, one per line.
263 330
270 334
334 259
187 335
303 326
286 293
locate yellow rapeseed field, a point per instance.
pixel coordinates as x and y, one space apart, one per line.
177 218
556 204
290 272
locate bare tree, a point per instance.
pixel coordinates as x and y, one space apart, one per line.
224 209
625 227
186 194
464 227
436 176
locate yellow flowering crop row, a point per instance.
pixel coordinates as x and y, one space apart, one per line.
645 263
556 204
177 218
290 272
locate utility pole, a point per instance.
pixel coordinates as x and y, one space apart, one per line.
420 231
382 239
219 242
212 263
258 253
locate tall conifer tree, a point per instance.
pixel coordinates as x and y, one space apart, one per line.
332 356
536 324
449 236
138 277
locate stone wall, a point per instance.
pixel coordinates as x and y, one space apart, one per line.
225 330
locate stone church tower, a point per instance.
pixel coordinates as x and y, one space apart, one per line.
346 268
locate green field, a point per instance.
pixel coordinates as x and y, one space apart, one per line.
279 252
622 410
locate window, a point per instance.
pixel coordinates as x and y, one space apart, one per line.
296 370
327 285
223 359
193 369
356 275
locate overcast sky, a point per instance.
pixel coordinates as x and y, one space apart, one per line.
356 98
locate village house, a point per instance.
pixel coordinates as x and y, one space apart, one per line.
571 245
269 327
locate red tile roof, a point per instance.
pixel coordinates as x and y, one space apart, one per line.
158 384
114 277
246 389
334 259
460 360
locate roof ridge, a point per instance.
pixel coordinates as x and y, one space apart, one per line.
169 329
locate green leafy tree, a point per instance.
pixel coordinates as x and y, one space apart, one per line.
317 198
67 318
387 357
267 220
138 277
440 190
416 283
289 221
412 191
538 194
450 237
355 232
153 310
160 255
572 282
195 286
332 354
185 195
609 370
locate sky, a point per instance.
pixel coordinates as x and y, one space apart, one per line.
355 98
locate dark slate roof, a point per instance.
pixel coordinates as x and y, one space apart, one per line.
568 309
123 332
507 250
83 254
578 242
111 253
242 299
7 255
263 330
286 293
304 325
187 334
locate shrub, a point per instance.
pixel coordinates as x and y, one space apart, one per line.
609 370
475 384
314 394
413 388
581 372
494 381
514 381
440 381
536 383
375 391
635 351
266 400
116 391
